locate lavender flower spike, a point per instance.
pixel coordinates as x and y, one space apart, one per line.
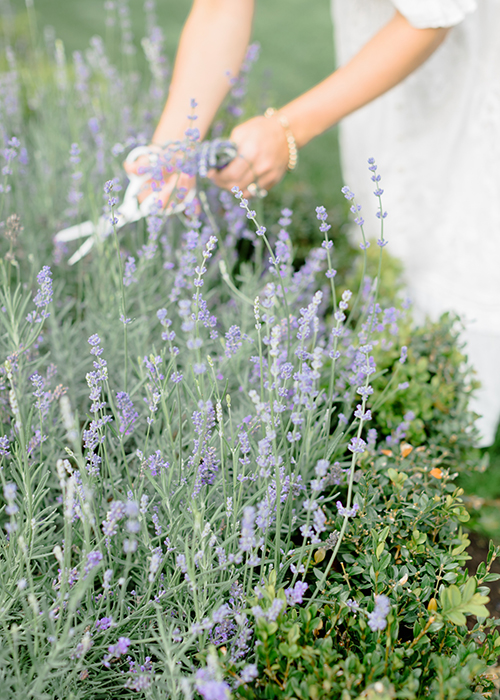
127 415
209 683
345 512
377 618
296 594
43 297
247 539
357 445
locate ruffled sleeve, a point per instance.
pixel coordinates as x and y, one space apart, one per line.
435 13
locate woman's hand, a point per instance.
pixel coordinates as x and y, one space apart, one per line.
262 156
170 184
262 160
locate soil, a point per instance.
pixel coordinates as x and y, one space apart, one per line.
478 550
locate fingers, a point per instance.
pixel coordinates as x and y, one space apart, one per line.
262 159
138 167
175 190
171 192
240 171
247 179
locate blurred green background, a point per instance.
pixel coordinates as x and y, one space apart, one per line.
296 39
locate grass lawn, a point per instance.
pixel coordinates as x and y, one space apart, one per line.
296 52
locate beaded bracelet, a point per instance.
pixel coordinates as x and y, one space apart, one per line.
293 153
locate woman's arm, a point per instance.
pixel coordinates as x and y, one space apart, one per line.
389 57
212 44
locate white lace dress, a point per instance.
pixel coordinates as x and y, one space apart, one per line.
436 139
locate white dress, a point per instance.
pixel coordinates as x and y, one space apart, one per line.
436 140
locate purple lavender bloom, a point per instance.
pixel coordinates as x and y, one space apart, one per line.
209 688
93 559
377 618
295 595
365 391
43 297
121 646
347 513
9 492
404 354
36 440
75 194
92 438
127 416
152 365
155 222
4 446
401 429
156 463
274 611
319 521
244 447
82 74
74 154
104 623
116 650
321 214
366 415
353 605
43 398
221 613
321 467
130 268
156 560
233 341
95 379
286 217
156 523
115 513
357 445
347 193
247 539
94 341
249 673
180 561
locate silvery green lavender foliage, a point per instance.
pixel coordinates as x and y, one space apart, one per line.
173 436
194 478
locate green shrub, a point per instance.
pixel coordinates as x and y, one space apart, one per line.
406 543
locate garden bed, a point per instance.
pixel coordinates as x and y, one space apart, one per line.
227 469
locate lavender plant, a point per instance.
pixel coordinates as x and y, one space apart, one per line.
183 436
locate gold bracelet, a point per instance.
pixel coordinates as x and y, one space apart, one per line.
293 152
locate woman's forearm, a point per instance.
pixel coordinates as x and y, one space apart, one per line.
389 57
213 43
